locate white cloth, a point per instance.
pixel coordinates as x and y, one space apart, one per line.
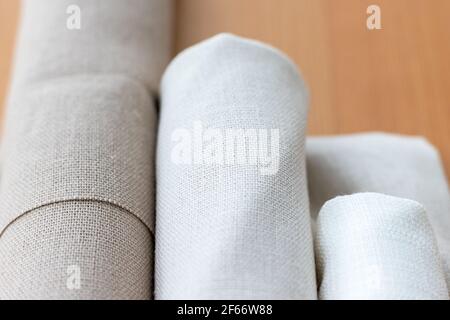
373 246
233 231
76 179
401 166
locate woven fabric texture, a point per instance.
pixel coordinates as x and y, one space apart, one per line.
230 230
396 165
88 137
78 149
132 38
108 246
373 246
77 139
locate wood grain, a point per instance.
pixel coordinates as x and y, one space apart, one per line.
396 79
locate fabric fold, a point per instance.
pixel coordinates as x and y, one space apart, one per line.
373 246
78 160
232 217
77 187
80 138
396 165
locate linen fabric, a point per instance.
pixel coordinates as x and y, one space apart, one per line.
45 251
131 38
374 246
396 165
77 153
77 187
231 230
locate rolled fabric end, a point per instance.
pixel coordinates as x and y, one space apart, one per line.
79 138
374 246
402 166
231 225
64 38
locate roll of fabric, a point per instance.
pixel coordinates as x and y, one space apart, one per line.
77 193
232 217
401 166
374 246
62 38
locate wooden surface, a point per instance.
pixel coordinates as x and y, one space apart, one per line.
396 79
9 12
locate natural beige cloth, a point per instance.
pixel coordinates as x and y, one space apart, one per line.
77 187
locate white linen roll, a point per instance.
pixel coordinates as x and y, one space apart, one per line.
401 166
374 246
229 227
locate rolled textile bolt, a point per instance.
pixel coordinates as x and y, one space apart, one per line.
373 246
401 166
76 179
130 38
76 250
232 217
76 194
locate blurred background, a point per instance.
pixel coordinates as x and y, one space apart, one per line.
396 79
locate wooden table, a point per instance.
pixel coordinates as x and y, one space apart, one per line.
396 79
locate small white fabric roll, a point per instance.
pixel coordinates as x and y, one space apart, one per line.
401 166
228 228
373 246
